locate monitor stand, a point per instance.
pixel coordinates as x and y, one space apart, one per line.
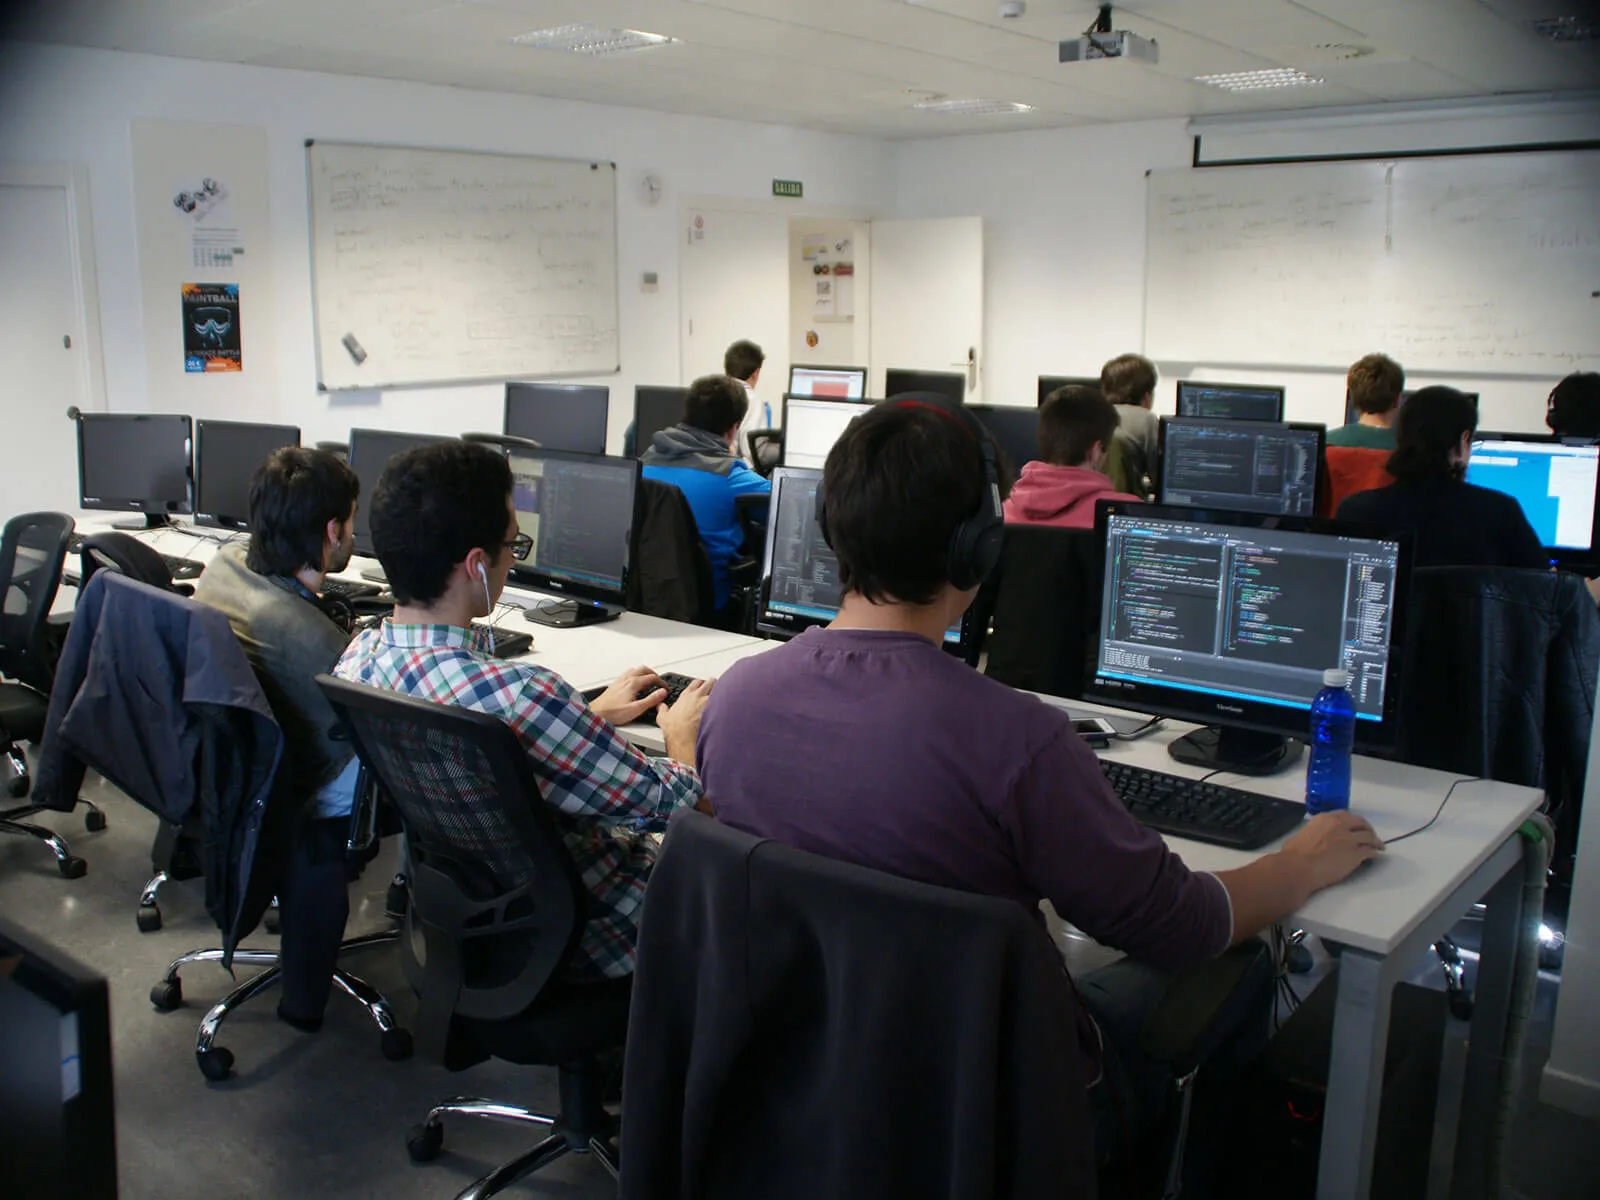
144 521
569 614
1239 751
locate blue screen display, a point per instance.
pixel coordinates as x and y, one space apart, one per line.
1554 484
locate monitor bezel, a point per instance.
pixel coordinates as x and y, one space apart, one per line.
793 367
1279 393
142 504
1318 488
570 389
225 520
639 446
863 404
363 540
558 585
1062 381
1569 558
1260 716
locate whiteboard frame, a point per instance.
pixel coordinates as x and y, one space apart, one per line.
380 386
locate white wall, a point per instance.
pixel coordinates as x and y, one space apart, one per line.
66 105
1064 226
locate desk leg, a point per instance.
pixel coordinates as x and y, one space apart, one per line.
1355 1076
1476 1133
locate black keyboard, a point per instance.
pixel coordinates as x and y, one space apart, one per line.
1202 812
508 643
349 589
674 684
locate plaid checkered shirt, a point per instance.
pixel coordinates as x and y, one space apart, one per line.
607 796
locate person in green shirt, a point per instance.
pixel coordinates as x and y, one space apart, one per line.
1373 386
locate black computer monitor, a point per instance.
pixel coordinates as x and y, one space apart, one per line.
57 1114
559 416
1352 414
226 455
800 575
1015 431
654 409
1250 466
838 383
135 462
1230 619
1555 482
578 509
1232 401
811 425
1049 383
897 381
370 452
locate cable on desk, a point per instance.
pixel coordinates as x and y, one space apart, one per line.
1139 731
1436 812
550 607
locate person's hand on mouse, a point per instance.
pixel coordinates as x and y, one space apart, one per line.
635 692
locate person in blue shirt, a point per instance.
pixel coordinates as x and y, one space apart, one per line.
696 456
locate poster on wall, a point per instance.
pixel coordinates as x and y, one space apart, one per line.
211 339
204 208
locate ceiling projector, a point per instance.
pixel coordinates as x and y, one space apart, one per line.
1101 41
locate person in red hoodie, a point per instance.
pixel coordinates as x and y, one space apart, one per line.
1076 425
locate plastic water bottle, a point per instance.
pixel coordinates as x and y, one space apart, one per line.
1333 733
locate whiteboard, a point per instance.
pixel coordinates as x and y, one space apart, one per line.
1478 264
442 265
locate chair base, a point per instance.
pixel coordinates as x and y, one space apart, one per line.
13 820
593 1136
216 1062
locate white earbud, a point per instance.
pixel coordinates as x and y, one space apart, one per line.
483 577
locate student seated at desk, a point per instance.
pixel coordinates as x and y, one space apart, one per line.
1452 523
302 526
866 742
1076 428
1373 385
446 534
1573 409
696 457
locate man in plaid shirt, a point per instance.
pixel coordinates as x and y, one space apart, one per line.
446 533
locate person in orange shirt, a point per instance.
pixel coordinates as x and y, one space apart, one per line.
1076 425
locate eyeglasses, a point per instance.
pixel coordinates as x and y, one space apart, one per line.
520 546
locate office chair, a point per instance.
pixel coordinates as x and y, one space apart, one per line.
216 1062
766 450
745 571
1041 610
806 1027
33 552
671 576
126 553
496 912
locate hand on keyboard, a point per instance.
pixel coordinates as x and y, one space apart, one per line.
635 692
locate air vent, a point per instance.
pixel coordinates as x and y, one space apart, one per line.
1260 81
971 108
1566 29
591 40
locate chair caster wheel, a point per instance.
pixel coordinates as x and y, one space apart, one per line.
396 900
148 919
396 1044
272 922
216 1064
17 786
167 995
94 820
1461 1006
424 1142
72 867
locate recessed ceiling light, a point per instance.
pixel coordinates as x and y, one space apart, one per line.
1255 81
591 40
1566 29
971 108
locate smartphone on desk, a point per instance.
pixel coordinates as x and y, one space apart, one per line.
1097 731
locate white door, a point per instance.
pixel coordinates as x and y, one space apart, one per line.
927 298
735 284
43 347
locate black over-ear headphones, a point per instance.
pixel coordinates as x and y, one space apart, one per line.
975 543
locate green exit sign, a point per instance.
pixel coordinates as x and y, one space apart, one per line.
788 187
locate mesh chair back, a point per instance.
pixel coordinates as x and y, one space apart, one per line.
32 553
493 887
126 553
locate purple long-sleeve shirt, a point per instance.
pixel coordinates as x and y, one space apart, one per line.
880 749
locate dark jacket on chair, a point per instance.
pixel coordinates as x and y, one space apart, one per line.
154 692
671 576
804 1028
1043 599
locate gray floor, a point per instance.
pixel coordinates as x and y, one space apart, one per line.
325 1115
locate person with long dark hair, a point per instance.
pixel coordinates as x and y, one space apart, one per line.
1452 522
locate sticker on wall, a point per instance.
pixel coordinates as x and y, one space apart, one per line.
811 339
697 228
813 248
211 328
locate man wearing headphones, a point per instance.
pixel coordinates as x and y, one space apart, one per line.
894 755
446 532
302 526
